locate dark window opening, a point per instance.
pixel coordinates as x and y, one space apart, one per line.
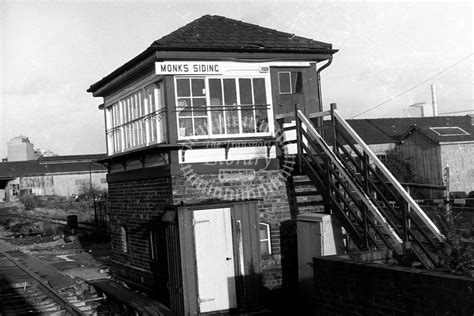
290 82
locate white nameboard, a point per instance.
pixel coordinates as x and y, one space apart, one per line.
189 68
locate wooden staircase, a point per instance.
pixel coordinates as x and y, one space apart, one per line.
346 179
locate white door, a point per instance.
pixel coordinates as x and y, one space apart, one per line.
214 259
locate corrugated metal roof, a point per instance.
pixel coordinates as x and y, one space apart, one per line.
16 169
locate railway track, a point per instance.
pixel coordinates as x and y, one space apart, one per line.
28 287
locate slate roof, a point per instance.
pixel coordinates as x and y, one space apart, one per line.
14 169
213 33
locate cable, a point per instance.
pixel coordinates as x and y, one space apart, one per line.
414 87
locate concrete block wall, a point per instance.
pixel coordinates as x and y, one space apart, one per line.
347 287
460 159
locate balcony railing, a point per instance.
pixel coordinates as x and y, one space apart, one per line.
140 132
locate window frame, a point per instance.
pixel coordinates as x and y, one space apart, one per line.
210 134
130 119
124 240
267 240
289 72
153 245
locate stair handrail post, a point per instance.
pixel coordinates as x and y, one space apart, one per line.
298 138
364 208
333 124
406 228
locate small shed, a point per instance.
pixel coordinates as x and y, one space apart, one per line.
431 149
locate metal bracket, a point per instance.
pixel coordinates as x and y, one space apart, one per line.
199 222
142 160
269 148
202 300
227 147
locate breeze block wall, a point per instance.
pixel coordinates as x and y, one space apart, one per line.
138 205
347 287
268 186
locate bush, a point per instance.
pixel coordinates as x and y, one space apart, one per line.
89 192
29 201
457 256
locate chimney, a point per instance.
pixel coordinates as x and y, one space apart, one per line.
434 100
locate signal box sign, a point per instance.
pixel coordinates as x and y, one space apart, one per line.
189 68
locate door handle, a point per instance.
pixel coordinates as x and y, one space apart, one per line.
228 258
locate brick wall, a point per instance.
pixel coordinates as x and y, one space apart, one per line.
137 205
273 207
345 287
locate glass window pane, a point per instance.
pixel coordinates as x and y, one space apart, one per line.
184 104
215 91
197 86
232 121
199 106
217 121
296 82
182 88
186 127
158 97
230 93
262 120
200 126
248 122
245 92
284 80
264 248
259 91
263 232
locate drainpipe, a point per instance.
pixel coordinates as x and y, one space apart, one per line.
318 74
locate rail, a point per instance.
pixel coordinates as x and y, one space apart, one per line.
73 310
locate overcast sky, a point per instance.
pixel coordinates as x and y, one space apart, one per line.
52 51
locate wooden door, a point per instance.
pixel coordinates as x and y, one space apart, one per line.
294 85
214 259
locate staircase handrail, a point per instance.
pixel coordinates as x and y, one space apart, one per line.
396 184
366 200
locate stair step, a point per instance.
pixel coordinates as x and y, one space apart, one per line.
310 203
308 193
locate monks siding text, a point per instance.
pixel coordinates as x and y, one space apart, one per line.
194 68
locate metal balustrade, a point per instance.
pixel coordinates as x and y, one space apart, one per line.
140 132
